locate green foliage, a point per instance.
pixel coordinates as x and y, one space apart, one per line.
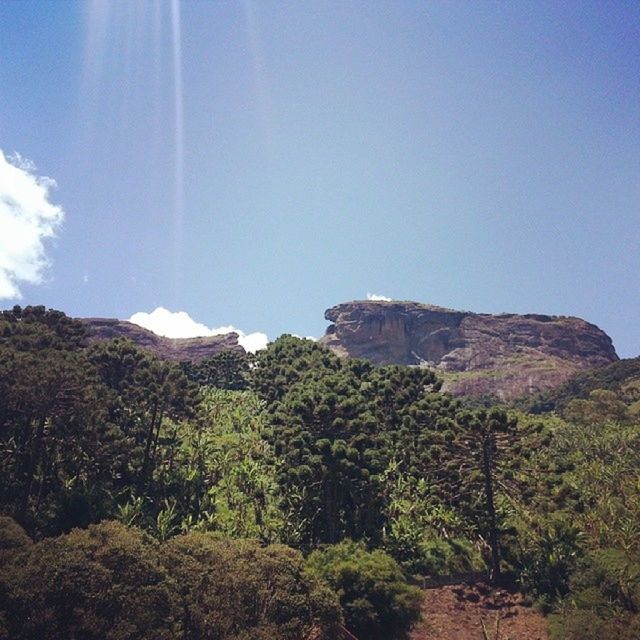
613 377
218 469
446 556
117 583
285 362
79 427
602 464
604 599
39 329
601 406
50 420
13 538
144 392
326 440
238 589
227 370
590 555
419 529
583 624
349 434
615 573
377 601
303 447
337 425
547 553
102 582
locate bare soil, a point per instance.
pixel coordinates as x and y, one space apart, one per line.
457 612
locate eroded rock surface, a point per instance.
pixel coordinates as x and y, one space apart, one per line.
194 349
505 355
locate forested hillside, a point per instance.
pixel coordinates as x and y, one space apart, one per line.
623 378
294 493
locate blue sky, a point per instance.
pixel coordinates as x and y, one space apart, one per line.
253 163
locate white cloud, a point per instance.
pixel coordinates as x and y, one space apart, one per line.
295 335
27 218
253 342
375 297
179 324
171 325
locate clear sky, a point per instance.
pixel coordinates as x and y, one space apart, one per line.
255 162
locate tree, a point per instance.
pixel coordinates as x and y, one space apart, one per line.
486 435
226 370
325 438
36 328
144 391
50 412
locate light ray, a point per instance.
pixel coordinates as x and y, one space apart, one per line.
179 145
260 75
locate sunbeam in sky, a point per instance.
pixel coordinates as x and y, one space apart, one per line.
260 79
256 163
176 42
137 49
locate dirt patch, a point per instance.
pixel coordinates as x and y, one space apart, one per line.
456 612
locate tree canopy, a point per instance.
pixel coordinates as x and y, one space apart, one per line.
130 487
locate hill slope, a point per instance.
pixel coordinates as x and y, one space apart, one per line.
623 377
193 349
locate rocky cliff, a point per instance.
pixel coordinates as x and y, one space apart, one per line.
504 355
168 348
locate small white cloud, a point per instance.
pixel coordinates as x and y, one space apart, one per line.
179 324
171 325
27 218
252 342
295 335
375 297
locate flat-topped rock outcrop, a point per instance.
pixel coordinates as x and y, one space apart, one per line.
505 355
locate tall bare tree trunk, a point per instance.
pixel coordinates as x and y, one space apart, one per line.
487 446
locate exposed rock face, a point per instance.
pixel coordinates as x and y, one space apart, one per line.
99 329
505 355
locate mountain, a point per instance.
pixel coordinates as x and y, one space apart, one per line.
194 349
476 354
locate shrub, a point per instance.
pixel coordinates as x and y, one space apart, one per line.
614 573
13 538
587 625
377 601
605 590
545 556
111 582
236 589
104 582
446 556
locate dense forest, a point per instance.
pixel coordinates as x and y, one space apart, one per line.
289 494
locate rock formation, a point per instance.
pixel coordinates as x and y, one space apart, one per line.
504 355
195 349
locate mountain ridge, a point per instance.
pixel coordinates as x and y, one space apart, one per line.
194 349
504 355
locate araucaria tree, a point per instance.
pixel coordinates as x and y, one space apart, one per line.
484 436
